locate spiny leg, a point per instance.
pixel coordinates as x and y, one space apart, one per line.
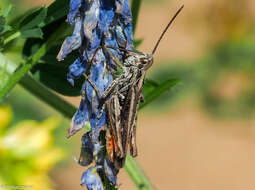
113 58
125 50
93 86
108 92
98 93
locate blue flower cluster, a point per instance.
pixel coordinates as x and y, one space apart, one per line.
97 24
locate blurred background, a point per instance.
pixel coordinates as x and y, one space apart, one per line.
200 135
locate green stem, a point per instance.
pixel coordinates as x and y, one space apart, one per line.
137 175
12 37
46 95
16 77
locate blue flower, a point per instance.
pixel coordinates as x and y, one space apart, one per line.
73 42
79 119
76 70
91 179
98 24
74 11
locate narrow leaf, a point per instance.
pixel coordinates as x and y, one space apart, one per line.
32 33
57 10
2 23
54 77
24 68
137 43
7 11
16 22
157 91
34 19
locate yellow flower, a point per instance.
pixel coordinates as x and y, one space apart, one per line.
39 181
47 159
30 145
30 137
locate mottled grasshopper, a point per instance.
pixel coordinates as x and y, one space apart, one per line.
121 100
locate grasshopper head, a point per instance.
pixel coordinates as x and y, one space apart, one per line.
142 61
145 61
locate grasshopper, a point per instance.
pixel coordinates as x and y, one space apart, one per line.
121 100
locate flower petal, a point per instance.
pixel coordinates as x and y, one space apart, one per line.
91 179
76 70
74 10
72 42
91 18
107 14
123 8
79 119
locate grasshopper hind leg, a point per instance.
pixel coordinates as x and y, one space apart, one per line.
132 145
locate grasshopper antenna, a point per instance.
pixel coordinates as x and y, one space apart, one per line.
163 33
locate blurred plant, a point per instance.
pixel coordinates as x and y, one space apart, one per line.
28 149
3 26
222 81
221 21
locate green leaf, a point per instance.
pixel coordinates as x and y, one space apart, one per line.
3 27
2 24
26 67
54 77
137 43
32 33
135 8
57 10
7 11
34 19
153 90
16 22
32 44
53 73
